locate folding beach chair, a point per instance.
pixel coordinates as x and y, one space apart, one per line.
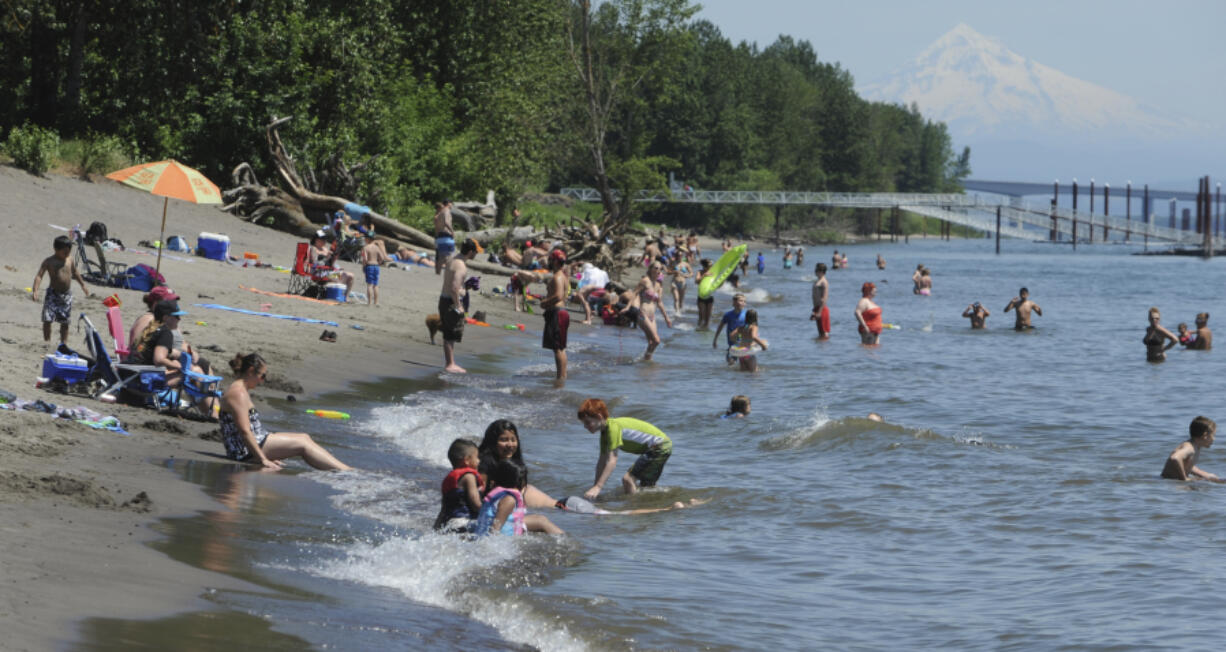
198 386
147 382
114 321
101 272
304 276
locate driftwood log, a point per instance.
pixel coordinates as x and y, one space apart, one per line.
294 207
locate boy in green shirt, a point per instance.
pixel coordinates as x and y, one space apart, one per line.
631 435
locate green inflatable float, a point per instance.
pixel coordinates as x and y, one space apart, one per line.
721 271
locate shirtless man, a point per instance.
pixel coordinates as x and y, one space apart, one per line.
1204 336
1024 306
557 319
1181 465
450 304
57 303
880 262
444 235
373 258
651 252
977 314
821 294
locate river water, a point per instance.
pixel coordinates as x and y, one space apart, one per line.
1010 501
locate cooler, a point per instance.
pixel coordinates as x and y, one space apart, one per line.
334 292
69 368
214 246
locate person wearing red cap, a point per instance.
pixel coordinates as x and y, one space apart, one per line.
151 299
557 319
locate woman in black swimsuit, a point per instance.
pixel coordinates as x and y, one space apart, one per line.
1155 336
246 439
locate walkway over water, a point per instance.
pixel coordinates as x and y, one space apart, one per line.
1019 219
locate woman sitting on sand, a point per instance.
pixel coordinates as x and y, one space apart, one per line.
1155 336
645 300
243 434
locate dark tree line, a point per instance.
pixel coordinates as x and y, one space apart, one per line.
454 98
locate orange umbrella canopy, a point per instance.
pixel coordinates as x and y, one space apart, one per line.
170 179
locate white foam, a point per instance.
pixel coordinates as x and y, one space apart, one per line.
430 570
425 424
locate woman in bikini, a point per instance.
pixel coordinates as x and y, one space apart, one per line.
868 314
645 300
244 436
679 272
743 339
1156 335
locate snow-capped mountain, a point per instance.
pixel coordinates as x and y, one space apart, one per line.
981 88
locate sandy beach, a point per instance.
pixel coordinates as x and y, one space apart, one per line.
78 503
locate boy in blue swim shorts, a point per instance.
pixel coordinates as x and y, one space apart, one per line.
372 257
631 435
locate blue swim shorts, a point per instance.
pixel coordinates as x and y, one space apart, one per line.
372 274
444 246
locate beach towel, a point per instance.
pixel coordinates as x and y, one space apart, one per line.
289 296
255 313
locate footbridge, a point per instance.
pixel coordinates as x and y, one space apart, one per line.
1014 217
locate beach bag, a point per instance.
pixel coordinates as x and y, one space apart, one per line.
142 278
177 243
96 233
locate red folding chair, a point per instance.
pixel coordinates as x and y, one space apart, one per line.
305 275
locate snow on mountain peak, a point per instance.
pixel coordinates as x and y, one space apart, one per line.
980 87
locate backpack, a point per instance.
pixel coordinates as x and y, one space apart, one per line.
143 278
96 233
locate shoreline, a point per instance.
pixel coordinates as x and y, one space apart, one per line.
80 506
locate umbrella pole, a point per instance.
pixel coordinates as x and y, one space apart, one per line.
162 235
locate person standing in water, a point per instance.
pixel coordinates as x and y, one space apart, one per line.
880 262
868 314
761 263
744 338
821 311
631 435
915 278
557 319
1156 335
977 314
1024 306
1204 336
643 304
733 319
704 305
925 282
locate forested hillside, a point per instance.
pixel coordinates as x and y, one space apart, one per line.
453 98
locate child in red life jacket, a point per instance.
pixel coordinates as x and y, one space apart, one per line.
503 510
461 488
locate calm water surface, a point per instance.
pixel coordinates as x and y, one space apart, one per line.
1011 501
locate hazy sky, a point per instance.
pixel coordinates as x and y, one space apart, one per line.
1169 55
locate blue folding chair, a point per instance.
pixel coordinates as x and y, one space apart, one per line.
145 381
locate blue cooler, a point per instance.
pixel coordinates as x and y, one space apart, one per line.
68 368
214 246
335 292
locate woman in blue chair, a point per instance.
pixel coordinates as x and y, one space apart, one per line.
156 346
244 436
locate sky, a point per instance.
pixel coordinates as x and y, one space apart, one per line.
1169 55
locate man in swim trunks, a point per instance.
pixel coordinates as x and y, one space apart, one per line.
1024 306
444 235
733 319
557 319
1204 336
821 312
631 435
450 303
372 257
57 302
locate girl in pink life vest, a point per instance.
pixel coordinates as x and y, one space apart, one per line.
503 509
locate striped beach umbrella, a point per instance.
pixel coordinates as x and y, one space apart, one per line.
169 179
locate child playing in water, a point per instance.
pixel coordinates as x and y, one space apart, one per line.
1181 465
461 488
743 339
631 435
739 408
1186 337
503 509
